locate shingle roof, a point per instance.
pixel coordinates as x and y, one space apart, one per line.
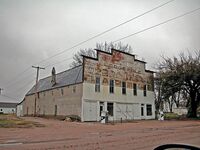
8 105
68 77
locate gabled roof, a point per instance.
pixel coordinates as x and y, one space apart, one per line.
7 105
68 77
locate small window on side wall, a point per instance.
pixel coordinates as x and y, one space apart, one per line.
62 92
74 89
38 95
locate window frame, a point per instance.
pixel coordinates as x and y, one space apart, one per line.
110 106
134 89
145 90
123 87
149 109
112 86
97 84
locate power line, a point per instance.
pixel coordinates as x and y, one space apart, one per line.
164 22
91 38
108 30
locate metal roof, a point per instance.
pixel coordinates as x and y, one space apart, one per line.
8 105
68 77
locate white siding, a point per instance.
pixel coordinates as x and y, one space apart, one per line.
125 106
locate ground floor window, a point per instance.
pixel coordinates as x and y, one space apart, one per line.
149 109
142 109
110 109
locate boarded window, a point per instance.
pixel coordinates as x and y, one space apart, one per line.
111 86
123 87
110 109
97 84
134 89
145 90
149 109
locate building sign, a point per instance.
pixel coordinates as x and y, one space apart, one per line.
118 66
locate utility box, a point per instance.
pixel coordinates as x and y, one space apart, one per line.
104 116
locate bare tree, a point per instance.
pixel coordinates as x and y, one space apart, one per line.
182 74
77 58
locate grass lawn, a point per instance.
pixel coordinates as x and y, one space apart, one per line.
11 121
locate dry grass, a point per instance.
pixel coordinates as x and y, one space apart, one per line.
11 121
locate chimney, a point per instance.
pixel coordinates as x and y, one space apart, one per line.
53 77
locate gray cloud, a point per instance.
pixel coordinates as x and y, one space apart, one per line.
31 31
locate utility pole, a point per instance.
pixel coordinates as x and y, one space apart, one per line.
36 86
1 90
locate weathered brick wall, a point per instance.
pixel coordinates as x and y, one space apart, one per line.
120 67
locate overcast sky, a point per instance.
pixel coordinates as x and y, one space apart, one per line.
34 30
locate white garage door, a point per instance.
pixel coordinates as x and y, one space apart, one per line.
124 111
90 111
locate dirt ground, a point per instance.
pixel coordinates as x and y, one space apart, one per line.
61 135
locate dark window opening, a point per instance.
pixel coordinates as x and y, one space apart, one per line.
74 89
101 108
134 89
111 86
145 90
62 91
97 84
142 111
149 110
123 87
38 95
110 109
55 113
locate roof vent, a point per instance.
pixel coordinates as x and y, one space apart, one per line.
53 80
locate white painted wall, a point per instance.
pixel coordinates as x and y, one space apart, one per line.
19 110
7 110
117 98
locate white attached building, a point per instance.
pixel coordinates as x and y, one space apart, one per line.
115 82
7 108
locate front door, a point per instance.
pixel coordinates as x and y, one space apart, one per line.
90 111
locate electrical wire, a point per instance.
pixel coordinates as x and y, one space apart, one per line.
164 22
93 37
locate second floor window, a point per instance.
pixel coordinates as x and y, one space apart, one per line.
145 90
111 86
134 89
97 84
123 87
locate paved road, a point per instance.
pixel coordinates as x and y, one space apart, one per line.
61 135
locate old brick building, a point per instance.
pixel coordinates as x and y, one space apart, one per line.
115 82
